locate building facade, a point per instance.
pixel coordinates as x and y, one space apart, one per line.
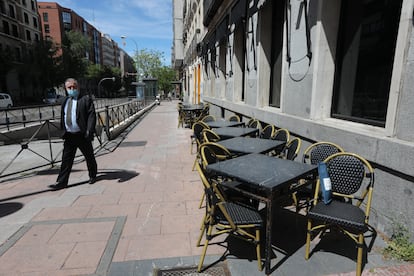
56 20
338 71
19 29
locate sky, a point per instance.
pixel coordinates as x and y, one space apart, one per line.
147 24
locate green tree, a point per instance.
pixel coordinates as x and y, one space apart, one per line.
42 67
165 76
150 65
6 65
74 47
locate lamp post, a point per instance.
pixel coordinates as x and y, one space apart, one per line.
99 84
139 83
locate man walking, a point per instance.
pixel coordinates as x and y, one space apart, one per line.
78 121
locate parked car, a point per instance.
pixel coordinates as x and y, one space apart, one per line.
5 100
52 97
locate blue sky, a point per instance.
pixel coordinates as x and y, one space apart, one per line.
145 23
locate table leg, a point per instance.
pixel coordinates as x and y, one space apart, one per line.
268 242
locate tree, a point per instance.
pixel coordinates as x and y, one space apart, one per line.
42 67
150 65
74 46
165 76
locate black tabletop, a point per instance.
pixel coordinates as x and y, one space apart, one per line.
262 172
245 145
193 107
220 123
230 132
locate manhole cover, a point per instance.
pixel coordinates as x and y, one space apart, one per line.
217 270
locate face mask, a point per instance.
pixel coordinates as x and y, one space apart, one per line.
73 93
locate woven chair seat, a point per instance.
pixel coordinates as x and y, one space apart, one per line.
241 215
344 214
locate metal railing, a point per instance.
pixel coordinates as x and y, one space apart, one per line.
36 142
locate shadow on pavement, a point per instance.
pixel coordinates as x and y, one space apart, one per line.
9 208
121 175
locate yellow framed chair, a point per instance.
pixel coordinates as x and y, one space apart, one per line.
313 154
352 181
234 118
268 132
210 136
227 218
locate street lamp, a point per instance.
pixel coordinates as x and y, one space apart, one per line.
140 85
99 84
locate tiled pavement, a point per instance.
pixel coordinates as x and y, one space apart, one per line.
141 214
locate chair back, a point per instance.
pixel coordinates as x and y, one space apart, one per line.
210 136
212 152
319 151
282 134
197 131
234 118
352 179
255 124
268 132
208 118
292 149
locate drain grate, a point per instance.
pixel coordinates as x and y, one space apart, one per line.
217 270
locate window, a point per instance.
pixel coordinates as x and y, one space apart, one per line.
37 38
6 27
45 17
66 17
15 31
276 53
47 28
18 55
35 22
28 36
11 11
33 5
26 18
365 54
24 3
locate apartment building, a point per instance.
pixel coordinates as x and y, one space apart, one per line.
19 29
56 20
338 71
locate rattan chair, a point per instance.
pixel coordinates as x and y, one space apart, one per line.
227 218
197 138
282 134
268 132
352 182
313 154
208 118
210 136
234 118
291 150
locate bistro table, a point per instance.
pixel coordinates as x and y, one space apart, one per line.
246 145
192 111
222 123
230 132
265 178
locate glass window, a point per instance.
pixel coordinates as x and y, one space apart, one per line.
35 22
28 36
66 17
277 46
45 17
15 31
365 54
26 18
6 27
11 11
47 28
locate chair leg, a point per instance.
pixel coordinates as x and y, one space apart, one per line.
202 229
203 254
360 253
308 239
195 162
259 257
201 201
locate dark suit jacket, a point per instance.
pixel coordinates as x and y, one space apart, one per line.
85 116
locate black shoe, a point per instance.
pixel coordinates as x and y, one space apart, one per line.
58 186
92 180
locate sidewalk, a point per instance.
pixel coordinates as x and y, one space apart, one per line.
141 215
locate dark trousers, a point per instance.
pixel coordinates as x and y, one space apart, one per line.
71 144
